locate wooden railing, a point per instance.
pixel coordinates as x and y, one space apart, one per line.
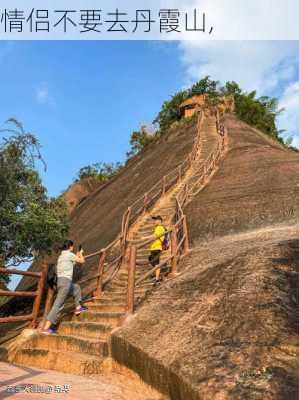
202 174
111 257
179 230
146 201
36 295
179 248
119 247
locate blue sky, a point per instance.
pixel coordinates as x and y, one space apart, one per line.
83 99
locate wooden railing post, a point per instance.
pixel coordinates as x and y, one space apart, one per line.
99 287
185 232
145 201
131 280
164 185
180 172
48 304
127 224
38 298
174 246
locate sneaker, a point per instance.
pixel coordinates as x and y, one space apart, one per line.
80 309
49 331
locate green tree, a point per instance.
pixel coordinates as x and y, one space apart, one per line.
101 171
31 222
205 86
170 111
231 89
259 112
139 140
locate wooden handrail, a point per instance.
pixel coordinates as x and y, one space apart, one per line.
16 318
20 272
37 295
11 293
101 267
38 298
131 280
179 231
160 188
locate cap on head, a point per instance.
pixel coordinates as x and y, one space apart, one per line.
157 217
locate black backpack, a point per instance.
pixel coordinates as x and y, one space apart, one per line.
166 241
52 276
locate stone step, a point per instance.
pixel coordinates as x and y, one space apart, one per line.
118 292
121 296
66 361
110 318
119 286
165 209
110 301
144 256
68 343
123 280
107 307
166 217
93 330
140 270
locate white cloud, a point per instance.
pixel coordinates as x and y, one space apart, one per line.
253 64
243 20
42 94
270 67
289 120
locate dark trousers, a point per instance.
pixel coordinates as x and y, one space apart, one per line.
154 257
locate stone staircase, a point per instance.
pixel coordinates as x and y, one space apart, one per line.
82 346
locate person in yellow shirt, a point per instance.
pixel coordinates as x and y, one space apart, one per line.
156 246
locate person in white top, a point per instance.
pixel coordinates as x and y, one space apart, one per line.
65 267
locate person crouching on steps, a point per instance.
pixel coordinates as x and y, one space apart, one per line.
65 285
156 246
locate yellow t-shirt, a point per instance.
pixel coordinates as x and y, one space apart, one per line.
157 244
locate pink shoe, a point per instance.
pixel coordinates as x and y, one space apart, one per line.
80 309
49 331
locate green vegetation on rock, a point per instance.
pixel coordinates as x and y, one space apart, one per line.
260 112
100 171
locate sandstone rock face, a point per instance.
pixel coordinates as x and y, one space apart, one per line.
78 191
227 327
255 186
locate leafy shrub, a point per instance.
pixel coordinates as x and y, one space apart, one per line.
259 112
31 222
101 171
139 140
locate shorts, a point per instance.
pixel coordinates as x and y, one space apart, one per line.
154 257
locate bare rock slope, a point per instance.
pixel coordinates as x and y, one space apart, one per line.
228 326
